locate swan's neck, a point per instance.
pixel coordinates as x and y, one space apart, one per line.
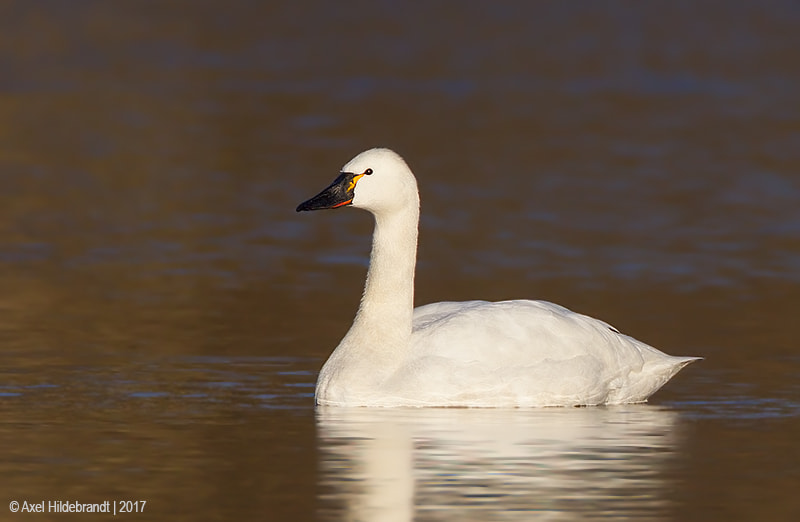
379 340
383 321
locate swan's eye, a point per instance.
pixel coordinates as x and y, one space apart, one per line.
368 172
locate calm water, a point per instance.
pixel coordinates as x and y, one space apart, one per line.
164 311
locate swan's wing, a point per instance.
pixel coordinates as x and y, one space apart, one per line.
533 350
429 313
511 332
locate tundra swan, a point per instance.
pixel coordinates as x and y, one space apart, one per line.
519 353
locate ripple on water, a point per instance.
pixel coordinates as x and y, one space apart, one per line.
264 382
741 408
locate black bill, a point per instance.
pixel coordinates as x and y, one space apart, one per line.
338 194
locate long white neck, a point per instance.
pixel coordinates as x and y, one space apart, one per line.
379 341
388 301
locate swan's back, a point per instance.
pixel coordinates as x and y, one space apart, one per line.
525 353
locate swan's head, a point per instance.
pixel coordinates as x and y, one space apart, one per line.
377 180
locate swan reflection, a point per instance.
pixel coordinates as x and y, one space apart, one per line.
457 464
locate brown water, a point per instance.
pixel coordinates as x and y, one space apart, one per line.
164 311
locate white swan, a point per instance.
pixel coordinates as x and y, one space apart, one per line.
476 353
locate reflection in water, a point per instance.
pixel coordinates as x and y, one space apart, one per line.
388 464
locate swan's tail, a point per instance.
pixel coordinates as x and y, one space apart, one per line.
652 377
665 369
683 361
675 364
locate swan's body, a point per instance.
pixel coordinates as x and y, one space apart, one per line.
479 354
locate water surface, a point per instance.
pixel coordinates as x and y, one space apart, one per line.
164 311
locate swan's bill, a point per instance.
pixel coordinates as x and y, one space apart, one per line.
338 194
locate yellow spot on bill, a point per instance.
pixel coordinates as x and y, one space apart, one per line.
353 182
